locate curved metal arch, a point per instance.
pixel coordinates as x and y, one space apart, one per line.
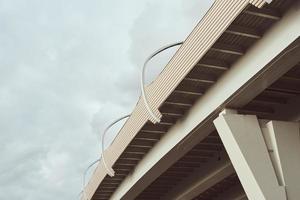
142 81
83 178
109 169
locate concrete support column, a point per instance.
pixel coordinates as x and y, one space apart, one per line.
283 142
244 142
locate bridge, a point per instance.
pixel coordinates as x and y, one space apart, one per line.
228 104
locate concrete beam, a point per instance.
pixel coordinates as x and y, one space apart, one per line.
202 179
229 49
264 13
214 64
243 31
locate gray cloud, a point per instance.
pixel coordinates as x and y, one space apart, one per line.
67 68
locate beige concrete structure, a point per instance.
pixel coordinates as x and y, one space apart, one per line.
265 154
243 55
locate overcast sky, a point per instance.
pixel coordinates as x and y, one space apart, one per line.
68 68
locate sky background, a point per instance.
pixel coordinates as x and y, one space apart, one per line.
67 69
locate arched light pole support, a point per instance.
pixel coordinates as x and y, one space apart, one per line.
108 168
154 117
83 178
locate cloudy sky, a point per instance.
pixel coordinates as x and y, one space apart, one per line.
68 68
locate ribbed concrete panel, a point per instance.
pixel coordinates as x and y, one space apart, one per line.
194 48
